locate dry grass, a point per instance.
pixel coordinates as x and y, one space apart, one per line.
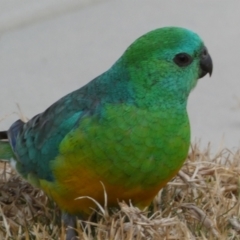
202 202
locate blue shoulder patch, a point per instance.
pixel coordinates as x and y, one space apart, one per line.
13 131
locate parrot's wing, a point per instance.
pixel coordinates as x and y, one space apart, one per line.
36 142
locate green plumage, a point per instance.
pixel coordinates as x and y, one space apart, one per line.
6 150
128 128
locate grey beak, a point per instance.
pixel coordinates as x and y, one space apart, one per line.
206 64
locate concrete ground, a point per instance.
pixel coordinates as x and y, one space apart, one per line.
51 47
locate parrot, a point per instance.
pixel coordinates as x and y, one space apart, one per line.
126 132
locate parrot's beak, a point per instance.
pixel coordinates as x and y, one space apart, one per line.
206 64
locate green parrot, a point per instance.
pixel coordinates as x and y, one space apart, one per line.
127 130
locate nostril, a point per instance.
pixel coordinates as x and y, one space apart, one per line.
204 52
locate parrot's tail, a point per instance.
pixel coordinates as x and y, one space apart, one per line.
6 152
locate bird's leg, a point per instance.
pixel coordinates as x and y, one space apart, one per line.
70 222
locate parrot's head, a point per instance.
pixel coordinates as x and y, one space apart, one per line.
169 59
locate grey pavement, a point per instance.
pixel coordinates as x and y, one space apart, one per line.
51 47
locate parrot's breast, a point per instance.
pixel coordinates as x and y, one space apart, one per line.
132 152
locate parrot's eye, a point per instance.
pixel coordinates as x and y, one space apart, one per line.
182 59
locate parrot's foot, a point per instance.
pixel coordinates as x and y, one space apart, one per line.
70 222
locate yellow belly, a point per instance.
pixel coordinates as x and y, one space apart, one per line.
85 182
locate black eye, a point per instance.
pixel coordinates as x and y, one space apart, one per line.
182 59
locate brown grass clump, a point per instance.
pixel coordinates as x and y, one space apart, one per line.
201 202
